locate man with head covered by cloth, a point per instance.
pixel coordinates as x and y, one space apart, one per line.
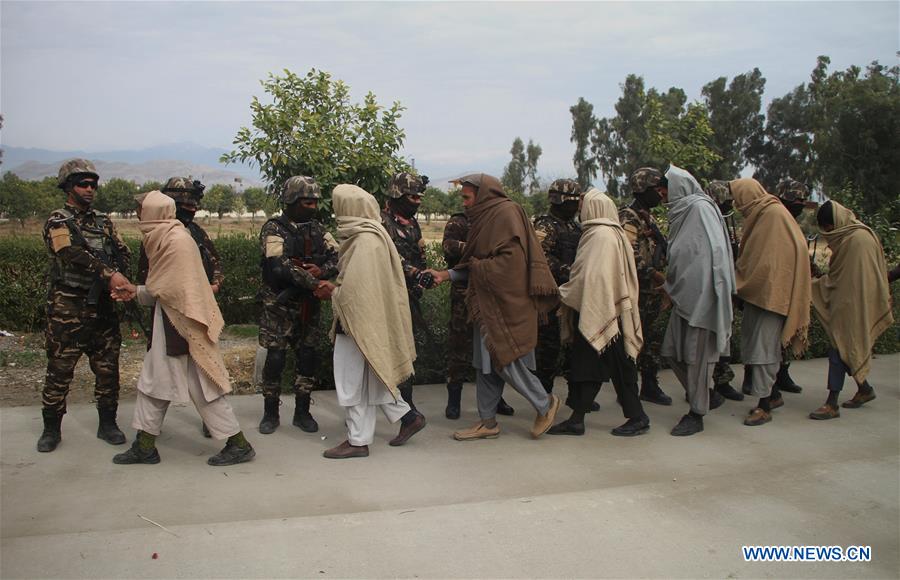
510 284
699 283
372 329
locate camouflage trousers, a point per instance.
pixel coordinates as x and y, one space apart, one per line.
551 358
459 338
75 328
722 373
289 326
650 306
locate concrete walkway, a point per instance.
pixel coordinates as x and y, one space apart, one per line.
594 506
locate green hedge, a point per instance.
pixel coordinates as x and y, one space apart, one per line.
23 288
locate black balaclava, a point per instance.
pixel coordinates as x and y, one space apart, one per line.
184 214
795 208
299 214
825 216
649 198
403 206
565 210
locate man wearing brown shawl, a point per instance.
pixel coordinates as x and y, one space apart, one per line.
369 297
510 284
774 287
600 318
853 303
183 362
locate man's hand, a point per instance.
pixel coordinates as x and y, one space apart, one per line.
658 278
665 302
116 280
215 288
324 290
440 276
124 293
313 270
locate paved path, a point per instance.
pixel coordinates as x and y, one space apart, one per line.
513 507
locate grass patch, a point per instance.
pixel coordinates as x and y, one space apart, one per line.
241 330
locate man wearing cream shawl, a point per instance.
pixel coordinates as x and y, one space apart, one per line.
510 284
372 330
600 318
853 303
699 283
184 363
774 287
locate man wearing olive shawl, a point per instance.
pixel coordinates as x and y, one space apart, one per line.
183 362
600 318
699 282
853 303
774 287
372 330
510 284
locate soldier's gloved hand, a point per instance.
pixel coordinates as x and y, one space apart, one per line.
438 276
313 270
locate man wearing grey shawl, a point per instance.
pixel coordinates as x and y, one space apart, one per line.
699 282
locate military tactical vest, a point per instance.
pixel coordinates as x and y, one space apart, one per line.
197 234
95 239
407 239
305 241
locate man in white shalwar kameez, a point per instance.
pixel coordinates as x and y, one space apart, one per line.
183 362
373 340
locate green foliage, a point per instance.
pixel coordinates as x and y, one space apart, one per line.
684 140
311 128
853 198
21 200
735 120
150 186
220 199
438 202
513 179
117 195
582 131
255 200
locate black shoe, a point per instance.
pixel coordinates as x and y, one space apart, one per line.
729 393
302 417
454 396
52 434
567 427
205 431
785 383
595 406
107 429
633 427
231 454
715 399
137 455
688 425
656 396
270 420
503 408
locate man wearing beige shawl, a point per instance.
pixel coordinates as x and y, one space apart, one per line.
184 363
372 331
600 318
774 287
510 284
853 303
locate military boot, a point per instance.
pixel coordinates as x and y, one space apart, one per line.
270 420
302 417
454 395
107 429
51 436
784 381
651 392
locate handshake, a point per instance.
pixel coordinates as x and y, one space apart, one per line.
120 289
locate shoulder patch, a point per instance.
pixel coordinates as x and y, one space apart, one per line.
274 246
330 241
59 238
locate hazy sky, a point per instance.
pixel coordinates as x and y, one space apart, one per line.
473 76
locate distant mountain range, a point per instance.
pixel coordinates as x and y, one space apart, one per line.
139 165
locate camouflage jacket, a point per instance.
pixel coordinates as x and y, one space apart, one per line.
559 240
454 243
407 237
285 245
84 247
649 257
212 263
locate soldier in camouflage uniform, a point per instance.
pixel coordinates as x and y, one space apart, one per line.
459 335
298 257
649 247
404 195
88 259
559 233
720 192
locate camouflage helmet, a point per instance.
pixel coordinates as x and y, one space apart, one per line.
564 190
720 191
300 187
644 178
405 183
184 190
791 190
75 167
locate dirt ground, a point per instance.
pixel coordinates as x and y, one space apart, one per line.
23 364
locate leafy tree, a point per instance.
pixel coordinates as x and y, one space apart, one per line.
116 195
583 122
514 173
532 154
220 199
312 128
21 200
735 119
151 185
433 202
254 200
683 140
